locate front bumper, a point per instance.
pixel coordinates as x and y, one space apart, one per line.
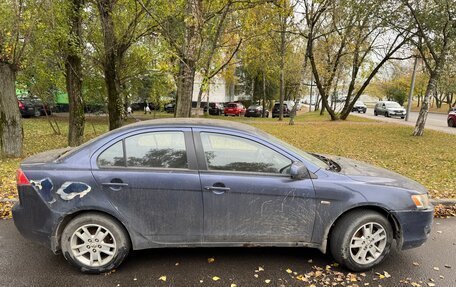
415 227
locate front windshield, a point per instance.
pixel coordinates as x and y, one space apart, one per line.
296 150
392 105
358 103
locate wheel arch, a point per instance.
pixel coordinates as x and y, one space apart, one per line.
397 233
57 234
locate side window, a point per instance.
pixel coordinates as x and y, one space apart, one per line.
156 149
112 156
230 153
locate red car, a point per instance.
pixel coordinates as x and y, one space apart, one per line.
234 109
452 118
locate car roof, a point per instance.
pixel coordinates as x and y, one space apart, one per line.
191 122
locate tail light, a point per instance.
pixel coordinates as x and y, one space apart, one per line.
21 105
21 179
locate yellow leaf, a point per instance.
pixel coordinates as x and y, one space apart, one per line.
267 281
289 271
210 260
162 278
215 278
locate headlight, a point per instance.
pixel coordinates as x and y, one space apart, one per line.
421 201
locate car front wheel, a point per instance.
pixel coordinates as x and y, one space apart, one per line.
94 243
361 239
451 123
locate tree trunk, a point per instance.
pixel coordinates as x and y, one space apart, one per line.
115 105
422 116
263 113
73 75
282 65
188 59
10 117
185 93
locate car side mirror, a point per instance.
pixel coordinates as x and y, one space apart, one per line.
298 170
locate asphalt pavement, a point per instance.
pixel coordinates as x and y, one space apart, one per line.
435 121
24 263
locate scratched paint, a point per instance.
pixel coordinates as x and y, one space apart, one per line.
71 189
44 187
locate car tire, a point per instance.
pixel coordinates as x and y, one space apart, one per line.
364 111
375 113
387 114
112 246
451 123
354 227
37 113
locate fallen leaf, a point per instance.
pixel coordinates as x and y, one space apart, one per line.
210 260
233 285
436 268
416 263
162 278
215 278
267 281
289 271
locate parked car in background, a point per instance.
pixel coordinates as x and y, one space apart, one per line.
205 182
169 108
215 109
33 107
389 109
256 111
452 118
359 107
234 109
276 110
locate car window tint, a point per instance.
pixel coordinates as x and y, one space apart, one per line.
157 149
230 153
112 156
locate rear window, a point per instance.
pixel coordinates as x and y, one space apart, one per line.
148 150
232 105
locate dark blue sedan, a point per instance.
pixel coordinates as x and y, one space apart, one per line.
195 182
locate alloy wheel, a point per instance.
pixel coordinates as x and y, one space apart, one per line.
93 245
368 243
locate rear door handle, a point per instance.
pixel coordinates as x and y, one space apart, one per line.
115 184
217 189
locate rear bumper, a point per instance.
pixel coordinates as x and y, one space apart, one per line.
34 220
415 227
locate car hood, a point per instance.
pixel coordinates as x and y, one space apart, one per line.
364 172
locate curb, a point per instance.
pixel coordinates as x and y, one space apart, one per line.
443 201
9 200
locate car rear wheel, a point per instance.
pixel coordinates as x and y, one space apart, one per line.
451 123
37 113
387 114
94 243
375 113
361 240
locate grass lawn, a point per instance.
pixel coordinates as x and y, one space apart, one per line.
428 159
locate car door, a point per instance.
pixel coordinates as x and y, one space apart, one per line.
247 192
150 177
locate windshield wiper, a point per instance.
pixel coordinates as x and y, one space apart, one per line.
332 165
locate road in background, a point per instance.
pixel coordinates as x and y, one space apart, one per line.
434 121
